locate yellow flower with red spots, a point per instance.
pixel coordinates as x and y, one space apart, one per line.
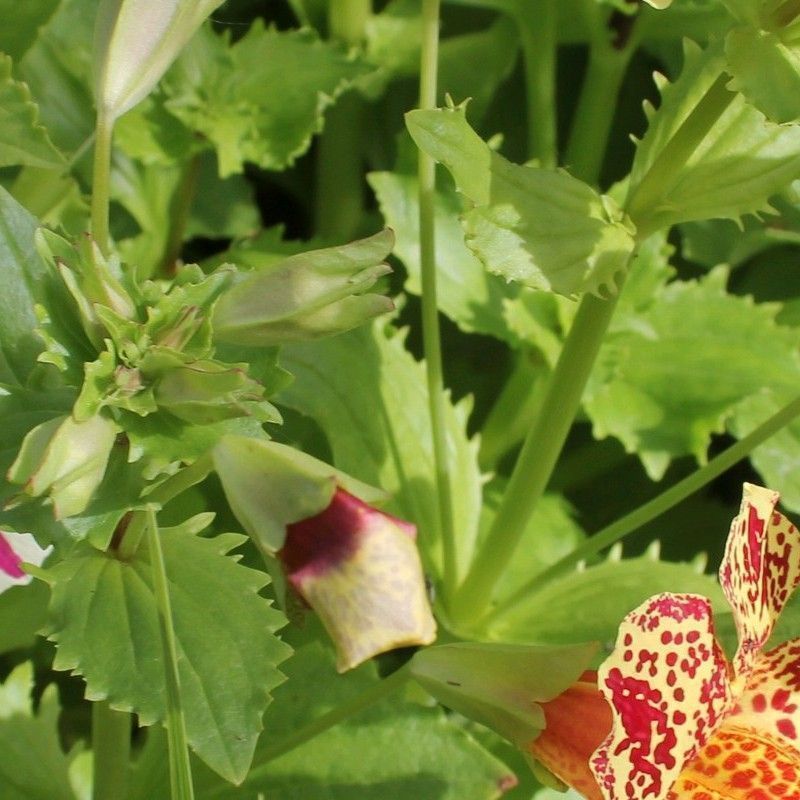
686 723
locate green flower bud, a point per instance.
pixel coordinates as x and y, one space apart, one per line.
65 460
306 296
135 43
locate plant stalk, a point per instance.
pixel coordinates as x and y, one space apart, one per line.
340 171
180 207
537 24
111 746
101 181
180 771
597 102
653 508
538 456
431 337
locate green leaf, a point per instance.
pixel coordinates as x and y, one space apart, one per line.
219 91
393 751
57 68
738 164
541 227
28 18
467 294
766 71
23 141
380 433
33 766
663 395
24 277
578 606
23 613
103 619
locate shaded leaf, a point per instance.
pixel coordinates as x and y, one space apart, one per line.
33 766
380 433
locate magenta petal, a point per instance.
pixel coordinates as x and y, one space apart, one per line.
9 560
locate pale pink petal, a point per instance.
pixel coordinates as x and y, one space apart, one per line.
759 572
667 683
14 549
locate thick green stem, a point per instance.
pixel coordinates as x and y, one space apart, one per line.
537 27
101 180
323 723
597 102
340 170
111 747
180 771
179 210
431 338
538 456
654 508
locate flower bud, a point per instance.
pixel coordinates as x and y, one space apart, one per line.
66 460
503 686
306 296
359 569
135 42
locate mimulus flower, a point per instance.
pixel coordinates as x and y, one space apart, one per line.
687 723
359 569
14 549
356 566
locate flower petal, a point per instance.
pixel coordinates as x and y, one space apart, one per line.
760 570
740 764
576 722
359 569
14 549
667 683
771 700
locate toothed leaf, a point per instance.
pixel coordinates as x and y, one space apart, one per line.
103 619
541 227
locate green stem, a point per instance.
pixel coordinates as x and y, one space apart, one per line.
431 338
101 181
597 102
644 198
179 209
180 771
111 746
323 723
649 511
538 456
537 28
340 186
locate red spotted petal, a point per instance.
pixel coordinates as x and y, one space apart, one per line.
741 764
759 572
667 683
771 699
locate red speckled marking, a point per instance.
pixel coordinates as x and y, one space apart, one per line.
759 572
9 560
771 699
741 764
667 683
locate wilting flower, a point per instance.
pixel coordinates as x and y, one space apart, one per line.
14 549
686 722
356 566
